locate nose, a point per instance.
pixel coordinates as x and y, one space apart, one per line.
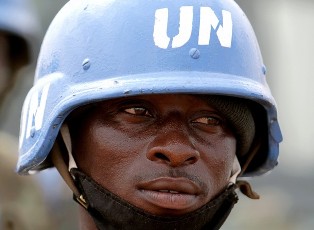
173 147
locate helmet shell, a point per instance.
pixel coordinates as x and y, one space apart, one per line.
100 49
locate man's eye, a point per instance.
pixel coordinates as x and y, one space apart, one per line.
212 121
138 111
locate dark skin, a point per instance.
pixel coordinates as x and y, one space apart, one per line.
166 154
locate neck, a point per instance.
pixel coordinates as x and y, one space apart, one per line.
86 221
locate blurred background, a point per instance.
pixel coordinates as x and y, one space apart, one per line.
285 31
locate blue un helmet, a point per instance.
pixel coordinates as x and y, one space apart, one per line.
96 50
19 21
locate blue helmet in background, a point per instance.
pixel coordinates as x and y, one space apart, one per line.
96 50
19 21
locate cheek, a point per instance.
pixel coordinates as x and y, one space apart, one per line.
218 160
106 154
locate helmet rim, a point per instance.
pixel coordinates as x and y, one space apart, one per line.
76 95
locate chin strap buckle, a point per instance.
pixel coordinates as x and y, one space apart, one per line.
80 199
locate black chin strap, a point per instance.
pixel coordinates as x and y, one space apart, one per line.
111 212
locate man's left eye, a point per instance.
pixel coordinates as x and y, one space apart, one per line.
138 111
211 121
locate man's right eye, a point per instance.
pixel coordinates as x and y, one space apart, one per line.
140 111
210 121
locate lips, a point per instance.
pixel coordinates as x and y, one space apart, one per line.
170 193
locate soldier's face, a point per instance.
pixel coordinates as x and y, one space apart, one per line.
166 154
4 62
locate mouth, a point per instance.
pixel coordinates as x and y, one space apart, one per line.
170 193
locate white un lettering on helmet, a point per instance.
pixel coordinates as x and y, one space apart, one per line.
208 20
33 119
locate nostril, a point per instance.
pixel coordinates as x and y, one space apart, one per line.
173 155
161 156
191 160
